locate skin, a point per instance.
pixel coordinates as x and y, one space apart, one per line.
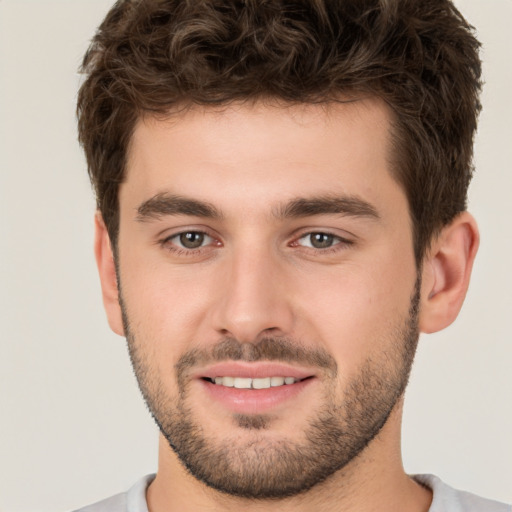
248 161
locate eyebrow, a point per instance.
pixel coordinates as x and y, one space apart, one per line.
166 204
351 206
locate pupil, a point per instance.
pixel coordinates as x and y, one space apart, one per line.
192 240
321 240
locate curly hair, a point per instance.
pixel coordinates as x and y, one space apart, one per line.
419 56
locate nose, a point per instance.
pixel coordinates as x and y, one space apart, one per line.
254 300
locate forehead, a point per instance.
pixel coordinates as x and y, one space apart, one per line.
262 152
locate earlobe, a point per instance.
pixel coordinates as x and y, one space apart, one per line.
107 272
446 273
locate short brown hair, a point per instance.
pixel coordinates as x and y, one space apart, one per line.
419 56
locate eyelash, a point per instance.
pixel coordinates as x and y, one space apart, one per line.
170 246
339 244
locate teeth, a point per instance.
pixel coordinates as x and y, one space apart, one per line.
247 383
227 381
242 383
276 381
261 383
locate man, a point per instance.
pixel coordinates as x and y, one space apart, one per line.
281 192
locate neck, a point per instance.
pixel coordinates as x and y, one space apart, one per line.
373 481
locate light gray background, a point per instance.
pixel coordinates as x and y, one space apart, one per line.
73 428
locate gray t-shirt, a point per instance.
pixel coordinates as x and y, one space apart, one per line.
446 499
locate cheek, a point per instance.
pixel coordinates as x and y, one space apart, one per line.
355 311
164 309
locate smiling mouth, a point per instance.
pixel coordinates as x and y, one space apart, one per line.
257 383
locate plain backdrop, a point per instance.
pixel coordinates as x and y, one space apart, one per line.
73 428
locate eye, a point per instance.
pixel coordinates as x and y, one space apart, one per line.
319 240
190 240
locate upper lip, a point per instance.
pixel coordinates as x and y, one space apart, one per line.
256 370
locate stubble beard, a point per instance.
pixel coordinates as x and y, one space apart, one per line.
263 468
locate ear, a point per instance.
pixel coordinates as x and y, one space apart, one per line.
446 272
107 271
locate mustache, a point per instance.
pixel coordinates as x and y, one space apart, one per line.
267 349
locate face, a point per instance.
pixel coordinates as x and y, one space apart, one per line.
268 288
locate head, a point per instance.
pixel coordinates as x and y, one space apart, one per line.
397 82
421 58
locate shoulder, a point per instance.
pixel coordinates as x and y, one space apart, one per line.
448 499
115 503
133 500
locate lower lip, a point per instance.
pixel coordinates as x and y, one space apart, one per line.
254 401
